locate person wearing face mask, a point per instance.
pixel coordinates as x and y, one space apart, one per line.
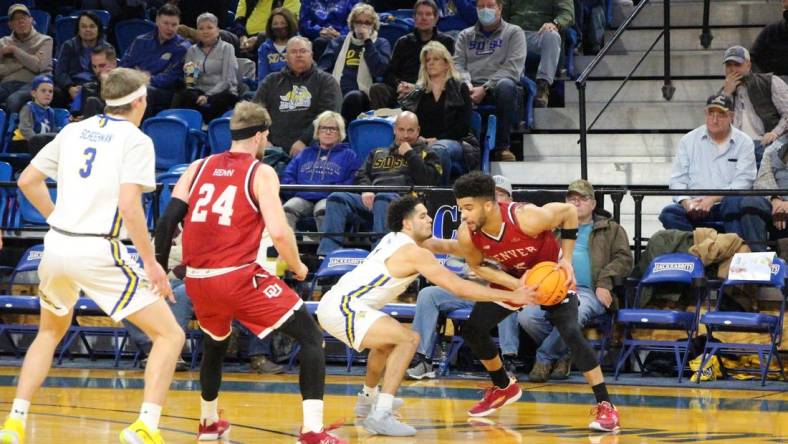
490 57
770 50
760 101
271 55
356 60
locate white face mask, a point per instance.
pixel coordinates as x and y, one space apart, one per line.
359 29
486 16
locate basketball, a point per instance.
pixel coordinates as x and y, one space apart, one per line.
550 282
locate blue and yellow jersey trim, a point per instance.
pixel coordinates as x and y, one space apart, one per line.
132 279
344 305
114 231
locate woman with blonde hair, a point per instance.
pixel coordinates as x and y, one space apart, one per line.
328 161
442 102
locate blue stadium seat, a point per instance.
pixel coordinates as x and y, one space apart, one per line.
368 134
18 304
103 15
180 168
26 215
6 175
167 180
198 139
529 90
451 23
219 138
489 142
64 29
61 118
476 125
675 268
170 139
4 28
771 325
41 20
392 31
127 30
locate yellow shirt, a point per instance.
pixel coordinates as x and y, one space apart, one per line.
255 22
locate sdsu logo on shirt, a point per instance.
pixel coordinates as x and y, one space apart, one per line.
299 97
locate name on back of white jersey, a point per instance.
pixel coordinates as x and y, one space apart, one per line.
95 136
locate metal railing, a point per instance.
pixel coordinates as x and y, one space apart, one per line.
667 89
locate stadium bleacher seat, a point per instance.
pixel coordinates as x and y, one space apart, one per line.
170 139
368 134
127 30
198 139
219 138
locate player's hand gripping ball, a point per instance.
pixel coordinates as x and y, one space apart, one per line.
550 282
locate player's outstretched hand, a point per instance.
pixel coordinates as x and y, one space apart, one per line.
525 295
565 265
158 280
300 271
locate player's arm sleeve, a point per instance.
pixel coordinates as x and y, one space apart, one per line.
139 164
165 227
47 159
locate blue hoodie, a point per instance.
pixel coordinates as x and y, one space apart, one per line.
269 59
316 166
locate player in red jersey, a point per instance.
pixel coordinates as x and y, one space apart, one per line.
225 201
517 237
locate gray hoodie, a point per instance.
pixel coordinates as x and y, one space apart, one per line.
485 59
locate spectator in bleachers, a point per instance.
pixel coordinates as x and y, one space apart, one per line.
717 156
542 21
773 175
408 161
296 95
24 54
160 53
770 50
271 55
73 68
103 59
601 254
760 101
324 20
328 161
433 301
251 18
356 60
402 72
442 102
210 72
490 56
36 118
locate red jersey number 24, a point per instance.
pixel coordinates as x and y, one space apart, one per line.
223 205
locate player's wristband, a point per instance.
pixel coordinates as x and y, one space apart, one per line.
569 233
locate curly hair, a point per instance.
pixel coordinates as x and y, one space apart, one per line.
475 184
399 210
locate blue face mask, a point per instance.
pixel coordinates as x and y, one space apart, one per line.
486 16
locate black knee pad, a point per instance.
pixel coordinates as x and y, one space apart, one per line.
583 354
479 341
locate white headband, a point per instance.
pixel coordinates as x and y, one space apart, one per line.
125 100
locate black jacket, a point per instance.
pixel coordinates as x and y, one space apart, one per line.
385 166
404 64
770 50
456 114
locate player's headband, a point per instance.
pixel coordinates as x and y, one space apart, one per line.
248 132
125 100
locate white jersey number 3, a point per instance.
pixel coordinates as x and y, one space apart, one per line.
223 206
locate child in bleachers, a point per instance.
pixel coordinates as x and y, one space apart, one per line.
36 119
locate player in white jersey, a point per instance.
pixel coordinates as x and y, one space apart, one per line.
102 165
350 311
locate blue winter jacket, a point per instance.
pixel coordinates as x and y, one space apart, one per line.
318 14
164 62
316 166
269 59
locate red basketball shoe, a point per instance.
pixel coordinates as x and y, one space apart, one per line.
495 398
218 430
606 418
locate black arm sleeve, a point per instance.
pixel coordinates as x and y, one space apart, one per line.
165 227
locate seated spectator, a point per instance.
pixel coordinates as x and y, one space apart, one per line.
251 22
271 55
542 21
408 161
160 53
356 60
73 68
760 101
324 20
770 50
210 73
434 301
773 175
491 57
328 161
36 119
103 59
442 103
23 55
717 156
295 96
402 73
601 254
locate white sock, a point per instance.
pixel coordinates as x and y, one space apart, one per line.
384 402
150 414
209 412
369 392
313 415
19 410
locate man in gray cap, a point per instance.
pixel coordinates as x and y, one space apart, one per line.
760 101
601 253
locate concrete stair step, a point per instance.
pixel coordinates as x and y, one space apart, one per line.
642 91
682 63
636 116
614 147
722 13
685 39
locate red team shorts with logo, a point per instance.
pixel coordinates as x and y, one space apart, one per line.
259 301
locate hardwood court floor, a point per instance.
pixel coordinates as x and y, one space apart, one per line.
92 406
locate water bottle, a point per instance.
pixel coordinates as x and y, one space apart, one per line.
443 363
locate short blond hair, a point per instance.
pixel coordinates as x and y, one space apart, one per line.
329 115
119 83
246 114
363 8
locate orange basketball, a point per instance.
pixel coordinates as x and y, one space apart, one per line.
550 282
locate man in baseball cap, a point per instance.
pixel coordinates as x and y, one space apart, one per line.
17 7
503 188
